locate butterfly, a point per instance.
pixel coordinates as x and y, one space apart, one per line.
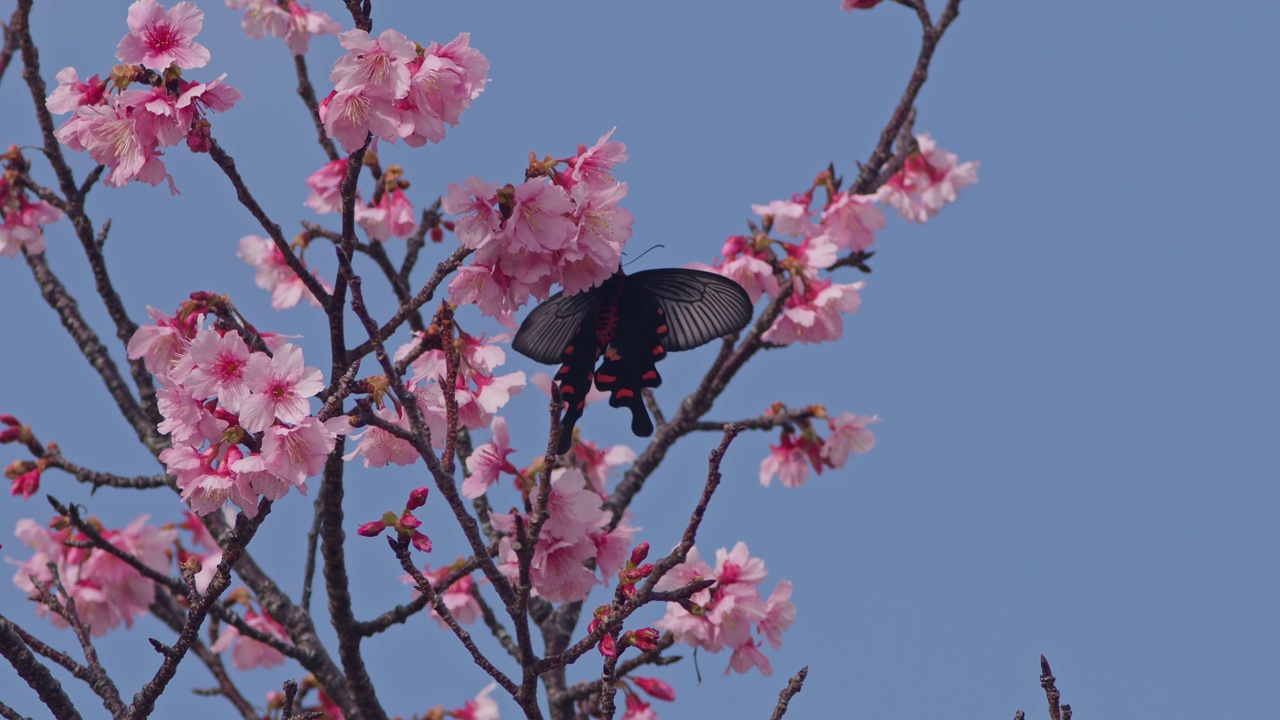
633 321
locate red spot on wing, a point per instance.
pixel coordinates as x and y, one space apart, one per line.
625 393
602 378
649 375
658 351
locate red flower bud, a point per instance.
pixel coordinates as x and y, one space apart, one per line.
421 542
655 687
437 235
644 639
608 647
640 552
9 420
371 529
409 522
417 498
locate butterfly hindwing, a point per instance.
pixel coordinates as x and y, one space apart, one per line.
578 361
700 306
629 363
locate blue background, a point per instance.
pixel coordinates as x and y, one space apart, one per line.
1075 365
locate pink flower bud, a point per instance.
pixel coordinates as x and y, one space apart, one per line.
655 687
9 420
608 647
644 639
409 522
421 542
26 484
417 498
640 552
371 529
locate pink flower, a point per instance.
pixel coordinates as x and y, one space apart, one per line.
728 609
326 186
603 229
349 116
747 656
215 364
157 38
571 536
638 709
597 463
812 314
780 613
379 447
482 707
20 221
392 216
445 80
929 180
248 653
489 461
457 597
593 166
851 221
790 217
375 67
473 202
279 387
752 273
107 590
849 433
162 344
275 275
71 93
788 460
296 24
297 453
539 221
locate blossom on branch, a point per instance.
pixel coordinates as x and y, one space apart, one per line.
929 180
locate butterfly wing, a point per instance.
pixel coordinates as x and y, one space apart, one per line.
563 330
698 306
546 332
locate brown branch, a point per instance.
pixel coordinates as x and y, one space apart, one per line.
167 611
54 459
587 688
794 685
308 94
31 670
400 547
423 296
144 701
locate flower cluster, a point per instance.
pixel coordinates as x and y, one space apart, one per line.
791 457
575 531
20 218
405 524
394 88
558 227
127 130
727 610
246 652
107 591
292 20
929 180
240 420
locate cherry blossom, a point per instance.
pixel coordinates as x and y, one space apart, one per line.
280 386
393 216
379 447
247 653
852 221
930 178
488 461
326 186
296 23
482 707
812 314
215 364
849 433
789 460
158 38
593 166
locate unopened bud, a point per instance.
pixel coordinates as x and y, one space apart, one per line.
608 647
421 542
640 552
417 498
371 529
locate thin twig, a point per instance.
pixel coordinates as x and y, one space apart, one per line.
794 685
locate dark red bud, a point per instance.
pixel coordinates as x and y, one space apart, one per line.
417 498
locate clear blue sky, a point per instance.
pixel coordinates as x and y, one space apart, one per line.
1075 365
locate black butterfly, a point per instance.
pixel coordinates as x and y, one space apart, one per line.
633 321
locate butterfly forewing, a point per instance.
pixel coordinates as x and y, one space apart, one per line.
544 335
699 306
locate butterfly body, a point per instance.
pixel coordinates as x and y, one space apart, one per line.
631 321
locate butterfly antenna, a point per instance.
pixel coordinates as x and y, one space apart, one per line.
646 252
